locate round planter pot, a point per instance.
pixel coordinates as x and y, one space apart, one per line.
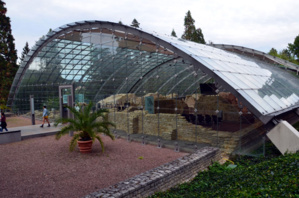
85 146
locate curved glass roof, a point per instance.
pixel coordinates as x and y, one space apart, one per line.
104 58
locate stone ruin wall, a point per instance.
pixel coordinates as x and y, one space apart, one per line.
228 141
169 127
205 104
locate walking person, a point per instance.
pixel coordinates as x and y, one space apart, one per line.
3 122
45 117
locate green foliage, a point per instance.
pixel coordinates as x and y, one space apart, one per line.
53 103
265 177
290 54
8 55
191 33
3 106
173 33
296 126
294 47
283 54
273 52
86 124
135 23
25 52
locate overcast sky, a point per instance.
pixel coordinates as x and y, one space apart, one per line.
257 24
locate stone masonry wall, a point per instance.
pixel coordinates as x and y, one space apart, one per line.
226 141
163 177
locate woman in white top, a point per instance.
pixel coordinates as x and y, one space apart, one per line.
45 117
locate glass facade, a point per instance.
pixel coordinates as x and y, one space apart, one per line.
154 84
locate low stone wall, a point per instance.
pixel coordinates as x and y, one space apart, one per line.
163 177
10 136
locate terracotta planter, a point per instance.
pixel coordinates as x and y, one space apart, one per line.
85 146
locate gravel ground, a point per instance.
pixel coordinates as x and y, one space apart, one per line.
43 167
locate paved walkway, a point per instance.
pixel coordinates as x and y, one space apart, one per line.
32 131
36 131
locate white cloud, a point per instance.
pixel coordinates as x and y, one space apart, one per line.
259 24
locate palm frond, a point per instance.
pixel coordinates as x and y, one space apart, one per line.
74 141
101 142
63 131
87 123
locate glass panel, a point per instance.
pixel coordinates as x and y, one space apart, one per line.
102 63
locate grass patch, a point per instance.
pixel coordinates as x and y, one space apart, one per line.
296 126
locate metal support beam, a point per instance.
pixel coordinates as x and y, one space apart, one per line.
32 109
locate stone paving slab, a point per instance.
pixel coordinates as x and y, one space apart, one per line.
36 131
32 131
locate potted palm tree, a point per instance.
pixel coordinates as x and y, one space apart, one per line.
86 126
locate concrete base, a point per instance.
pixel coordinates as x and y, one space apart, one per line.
285 137
10 136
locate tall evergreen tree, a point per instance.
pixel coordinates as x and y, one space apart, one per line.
173 33
189 26
8 55
198 37
25 52
191 33
135 23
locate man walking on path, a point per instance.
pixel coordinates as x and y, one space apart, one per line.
45 117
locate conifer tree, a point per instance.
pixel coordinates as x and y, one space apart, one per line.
25 52
198 37
191 33
173 33
135 23
8 55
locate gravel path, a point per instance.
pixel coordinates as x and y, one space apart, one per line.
43 167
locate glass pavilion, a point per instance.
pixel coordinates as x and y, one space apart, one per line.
147 80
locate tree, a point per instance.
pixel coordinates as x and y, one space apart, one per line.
191 33
25 52
285 54
198 37
273 52
120 22
135 23
294 48
173 33
8 55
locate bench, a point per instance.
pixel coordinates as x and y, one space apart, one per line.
10 136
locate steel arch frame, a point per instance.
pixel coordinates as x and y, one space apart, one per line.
87 25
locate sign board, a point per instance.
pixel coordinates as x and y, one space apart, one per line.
149 104
64 99
79 97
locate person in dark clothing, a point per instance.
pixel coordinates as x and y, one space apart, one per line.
3 122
